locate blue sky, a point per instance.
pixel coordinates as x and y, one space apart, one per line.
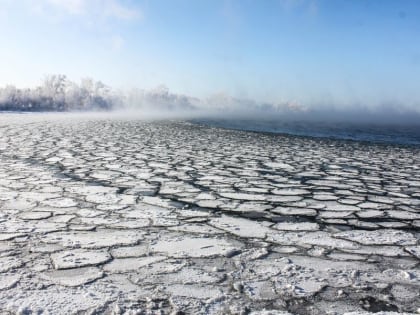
337 52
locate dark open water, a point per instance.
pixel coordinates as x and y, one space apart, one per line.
396 134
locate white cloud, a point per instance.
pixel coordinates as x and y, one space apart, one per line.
110 9
70 6
118 10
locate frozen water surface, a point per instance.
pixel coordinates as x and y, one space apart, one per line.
124 216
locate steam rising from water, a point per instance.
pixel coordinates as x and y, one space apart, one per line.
57 93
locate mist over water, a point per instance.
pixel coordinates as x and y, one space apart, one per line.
389 123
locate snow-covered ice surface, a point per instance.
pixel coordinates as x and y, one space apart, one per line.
122 216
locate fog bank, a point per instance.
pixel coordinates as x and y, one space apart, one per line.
58 93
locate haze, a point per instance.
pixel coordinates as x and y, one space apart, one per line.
327 56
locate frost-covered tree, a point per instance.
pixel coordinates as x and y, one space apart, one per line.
58 93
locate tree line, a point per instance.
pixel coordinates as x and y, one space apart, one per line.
58 93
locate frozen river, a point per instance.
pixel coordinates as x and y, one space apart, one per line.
110 215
